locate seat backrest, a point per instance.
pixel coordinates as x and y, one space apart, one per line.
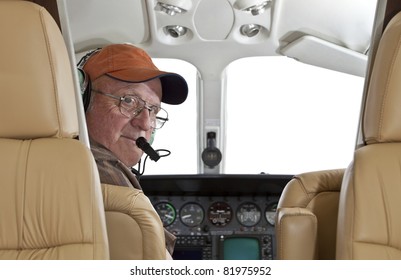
134 228
369 224
306 218
50 197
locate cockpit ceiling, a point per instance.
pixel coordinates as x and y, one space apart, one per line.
226 30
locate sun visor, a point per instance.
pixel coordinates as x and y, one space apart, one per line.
315 51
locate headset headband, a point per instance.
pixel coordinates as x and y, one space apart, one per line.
86 57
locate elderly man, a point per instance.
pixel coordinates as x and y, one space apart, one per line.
124 104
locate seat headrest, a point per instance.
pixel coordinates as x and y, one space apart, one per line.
382 115
37 97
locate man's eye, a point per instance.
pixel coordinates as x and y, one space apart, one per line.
155 109
129 100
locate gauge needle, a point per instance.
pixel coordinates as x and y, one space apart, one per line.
186 216
168 216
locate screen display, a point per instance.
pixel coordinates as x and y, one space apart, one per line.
241 248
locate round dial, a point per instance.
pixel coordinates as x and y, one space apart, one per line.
248 214
220 214
270 213
192 214
166 212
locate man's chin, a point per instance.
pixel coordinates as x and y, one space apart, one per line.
132 161
129 153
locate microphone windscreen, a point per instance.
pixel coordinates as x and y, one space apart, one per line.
145 146
141 143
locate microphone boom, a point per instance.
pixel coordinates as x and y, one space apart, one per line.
145 146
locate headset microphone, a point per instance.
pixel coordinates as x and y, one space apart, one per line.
145 146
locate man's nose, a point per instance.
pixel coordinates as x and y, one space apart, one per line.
142 120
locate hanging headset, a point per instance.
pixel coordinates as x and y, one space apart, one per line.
84 79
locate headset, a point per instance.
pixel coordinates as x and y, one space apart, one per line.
85 84
84 79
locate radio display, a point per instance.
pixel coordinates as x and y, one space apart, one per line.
224 247
241 248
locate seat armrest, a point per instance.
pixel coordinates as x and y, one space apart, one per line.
134 228
293 225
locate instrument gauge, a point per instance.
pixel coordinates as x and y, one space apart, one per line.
166 212
220 214
248 214
192 214
270 213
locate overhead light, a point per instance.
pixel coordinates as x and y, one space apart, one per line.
256 7
175 31
250 30
170 9
259 8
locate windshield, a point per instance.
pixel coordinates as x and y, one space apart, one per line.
294 117
283 117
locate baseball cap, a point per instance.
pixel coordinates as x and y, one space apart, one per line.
131 64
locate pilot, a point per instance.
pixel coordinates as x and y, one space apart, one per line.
127 91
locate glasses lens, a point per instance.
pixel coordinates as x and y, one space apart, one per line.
131 105
161 118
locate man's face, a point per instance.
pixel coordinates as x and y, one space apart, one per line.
115 131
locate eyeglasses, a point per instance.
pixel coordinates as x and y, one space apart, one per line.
132 105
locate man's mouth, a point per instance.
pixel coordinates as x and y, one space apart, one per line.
129 138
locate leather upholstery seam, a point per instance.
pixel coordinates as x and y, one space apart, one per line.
389 78
51 63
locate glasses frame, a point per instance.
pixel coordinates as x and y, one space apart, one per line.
138 111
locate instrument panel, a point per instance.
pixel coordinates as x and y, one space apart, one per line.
200 213
215 218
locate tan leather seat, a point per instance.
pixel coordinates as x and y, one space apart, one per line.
134 228
50 197
369 225
306 219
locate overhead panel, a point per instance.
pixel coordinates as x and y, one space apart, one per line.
209 21
218 31
214 19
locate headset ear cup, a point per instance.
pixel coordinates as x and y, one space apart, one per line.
84 80
85 87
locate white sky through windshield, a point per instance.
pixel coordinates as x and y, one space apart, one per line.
294 118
